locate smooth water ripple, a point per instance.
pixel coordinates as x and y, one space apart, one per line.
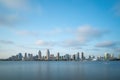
59 70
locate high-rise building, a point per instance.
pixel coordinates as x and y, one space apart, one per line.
39 54
77 56
82 56
28 56
58 56
31 56
66 57
107 56
25 57
111 56
48 55
62 57
73 57
20 56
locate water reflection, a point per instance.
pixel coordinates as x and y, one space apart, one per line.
62 70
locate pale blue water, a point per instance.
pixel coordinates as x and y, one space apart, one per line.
59 70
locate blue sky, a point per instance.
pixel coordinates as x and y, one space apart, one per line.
65 26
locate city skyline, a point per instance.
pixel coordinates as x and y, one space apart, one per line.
79 56
67 26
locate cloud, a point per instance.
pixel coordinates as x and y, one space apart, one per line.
106 44
41 42
88 33
76 38
30 47
14 4
44 43
51 32
9 20
11 11
16 11
27 33
55 31
72 43
83 35
6 42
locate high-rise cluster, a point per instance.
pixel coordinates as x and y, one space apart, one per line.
48 57
51 57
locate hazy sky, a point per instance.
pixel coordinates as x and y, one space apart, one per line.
65 26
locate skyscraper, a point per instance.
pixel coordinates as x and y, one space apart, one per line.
77 56
66 57
73 57
31 56
58 56
48 54
39 54
82 56
111 56
28 56
25 57
20 56
107 56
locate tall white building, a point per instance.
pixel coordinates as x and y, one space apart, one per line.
39 54
108 56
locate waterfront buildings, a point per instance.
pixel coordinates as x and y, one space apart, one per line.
73 57
58 56
25 57
82 56
20 56
39 55
78 56
66 57
108 56
48 55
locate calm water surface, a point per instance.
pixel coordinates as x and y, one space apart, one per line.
59 70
